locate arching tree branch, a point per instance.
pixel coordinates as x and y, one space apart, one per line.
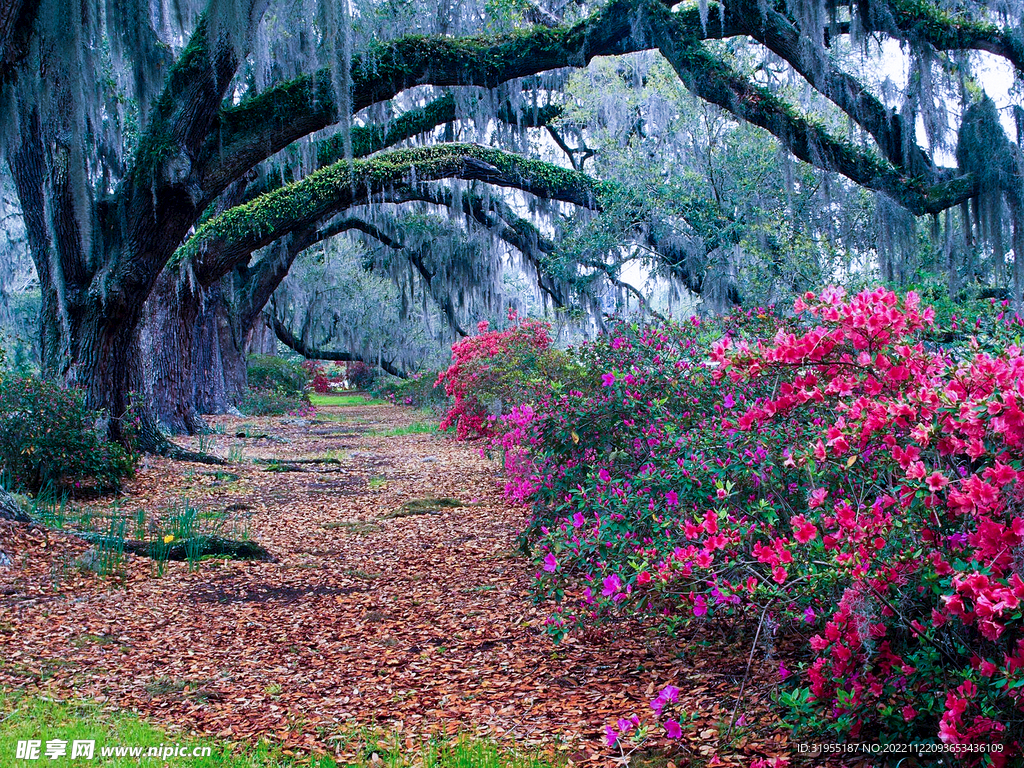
310 352
228 239
710 78
265 124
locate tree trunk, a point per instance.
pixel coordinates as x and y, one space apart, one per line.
209 393
262 340
173 310
220 380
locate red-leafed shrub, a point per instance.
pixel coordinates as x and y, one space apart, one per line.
318 379
361 375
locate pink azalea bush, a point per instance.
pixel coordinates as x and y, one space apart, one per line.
487 369
914 504
834 475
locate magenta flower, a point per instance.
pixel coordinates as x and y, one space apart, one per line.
817 497
803 529
700 606
610 736
612 584
671 693
550 563
673 730
608 379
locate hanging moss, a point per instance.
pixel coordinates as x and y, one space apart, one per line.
985 154
712 79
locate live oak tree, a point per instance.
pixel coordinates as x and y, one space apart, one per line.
150 139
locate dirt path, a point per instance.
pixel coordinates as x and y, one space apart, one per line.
411 624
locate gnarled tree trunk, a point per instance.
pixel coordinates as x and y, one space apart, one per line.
173 311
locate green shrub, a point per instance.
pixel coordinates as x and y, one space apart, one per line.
48 438
272 402
268 372
418 391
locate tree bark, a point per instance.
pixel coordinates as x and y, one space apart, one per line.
174 310
16 20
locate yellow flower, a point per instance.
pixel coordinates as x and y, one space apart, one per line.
168 539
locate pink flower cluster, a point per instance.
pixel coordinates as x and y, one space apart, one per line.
922 453
471 371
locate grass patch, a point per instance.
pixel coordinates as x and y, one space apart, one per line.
355 573
376 483
461 752
337 456
28 717
427 506
416 428
344 400
281 466
352 526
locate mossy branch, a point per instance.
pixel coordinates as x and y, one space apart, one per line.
713 80
259 127
234 234
920 21
270 121
311 352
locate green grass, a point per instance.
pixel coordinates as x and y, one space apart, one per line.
30 717
428 506
343 400
416 428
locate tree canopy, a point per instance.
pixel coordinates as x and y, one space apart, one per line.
172 161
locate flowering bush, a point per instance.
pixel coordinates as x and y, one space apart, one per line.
492 370
834 474
915 468
317 374
48 439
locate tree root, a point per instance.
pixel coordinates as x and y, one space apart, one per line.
178 453
10 509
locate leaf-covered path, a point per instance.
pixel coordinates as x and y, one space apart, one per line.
410 623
